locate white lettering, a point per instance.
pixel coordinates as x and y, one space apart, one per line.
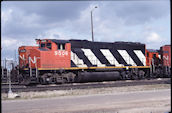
33 61
55 53
22 57
166 58
61 53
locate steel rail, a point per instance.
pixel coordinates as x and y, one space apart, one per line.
22 88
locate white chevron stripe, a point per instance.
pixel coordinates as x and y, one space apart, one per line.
141 56
78 62
112 60
127 57
92 58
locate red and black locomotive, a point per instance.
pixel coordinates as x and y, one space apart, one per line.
64 61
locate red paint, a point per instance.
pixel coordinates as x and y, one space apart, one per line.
149 56
166 55
51 58
24 52
56 58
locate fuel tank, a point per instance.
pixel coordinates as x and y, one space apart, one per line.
97 76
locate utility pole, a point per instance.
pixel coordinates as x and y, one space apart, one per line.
10 93
14 57
92 23
9 78
5 63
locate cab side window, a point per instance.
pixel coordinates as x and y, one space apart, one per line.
49 45
61 47
147 54
154 55
42 45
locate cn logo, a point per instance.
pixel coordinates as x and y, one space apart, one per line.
61 53
32 60
166 58
22 57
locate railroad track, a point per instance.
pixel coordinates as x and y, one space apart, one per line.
22 88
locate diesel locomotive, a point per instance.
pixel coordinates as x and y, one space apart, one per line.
66 61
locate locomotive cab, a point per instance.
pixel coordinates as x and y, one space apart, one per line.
49 54
54 53
35 61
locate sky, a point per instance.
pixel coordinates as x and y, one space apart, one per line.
142 21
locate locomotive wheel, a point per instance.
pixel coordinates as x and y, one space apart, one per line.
158 73
78 78
52 80
20 79
64 81
68 77
141 74
26 81
123 75
126 75
155 74
43 81
134 73
135 76
71 77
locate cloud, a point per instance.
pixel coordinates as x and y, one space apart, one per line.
113 21
53 34
8 48
140 12
19 24
6 15
50 11
33 19
153 37
9 42
154 40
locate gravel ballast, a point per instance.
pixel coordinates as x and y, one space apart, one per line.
76 92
